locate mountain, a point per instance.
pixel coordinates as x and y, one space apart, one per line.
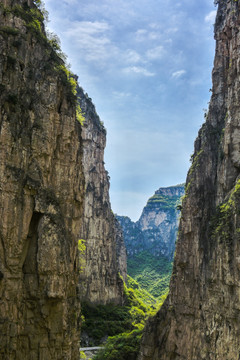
200 318
49 197
150 241
105 254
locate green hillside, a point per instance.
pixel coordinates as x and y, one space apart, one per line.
153 273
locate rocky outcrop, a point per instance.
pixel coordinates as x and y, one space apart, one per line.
43 180
105 256
41 193
200 318
156 229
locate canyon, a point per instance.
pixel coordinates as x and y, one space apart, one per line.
61 245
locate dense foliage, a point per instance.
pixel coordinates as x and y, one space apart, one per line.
122 325
121 347
100 321
126 322
153 273
166 202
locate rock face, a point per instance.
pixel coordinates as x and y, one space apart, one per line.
156 229
41 194
105 256
42 187
200 318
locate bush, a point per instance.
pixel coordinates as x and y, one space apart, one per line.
153 273
121 347
8 30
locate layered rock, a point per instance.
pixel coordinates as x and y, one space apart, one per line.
200 318
43 166
105 256
150 241
156 229
41 193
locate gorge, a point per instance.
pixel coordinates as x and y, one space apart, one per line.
61 246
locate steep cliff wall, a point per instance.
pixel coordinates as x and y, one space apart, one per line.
41 193
150 241
200 318
105 256
156 229
45 157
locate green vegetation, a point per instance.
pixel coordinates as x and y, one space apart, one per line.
79 114
33 18
100 321
153 273
82 355
121 347
195 162
123 324
222 223
105 320
7 30
82 252
166 202
141 293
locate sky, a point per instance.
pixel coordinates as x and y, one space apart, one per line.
147 66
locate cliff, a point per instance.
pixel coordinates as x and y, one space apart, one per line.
41 193
150 241
200 318
157 226
43 179
105 258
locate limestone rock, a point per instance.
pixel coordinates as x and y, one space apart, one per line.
47 164
48 161
156 229
200 318
41 194
105 256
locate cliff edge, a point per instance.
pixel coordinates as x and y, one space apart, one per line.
200 318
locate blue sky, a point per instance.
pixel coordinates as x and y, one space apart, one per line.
146 65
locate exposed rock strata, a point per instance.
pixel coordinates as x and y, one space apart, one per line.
156 229
42 190
105 256
41 196
200 318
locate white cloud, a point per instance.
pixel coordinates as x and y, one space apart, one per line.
141 34
70 2
121 94
138 70
210 17
154 26
153 35
155 53
172 30
146 35
178 74
132 56
92 39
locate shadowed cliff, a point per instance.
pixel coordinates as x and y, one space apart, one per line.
43 181
200 318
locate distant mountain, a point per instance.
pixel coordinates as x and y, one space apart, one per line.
150 241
